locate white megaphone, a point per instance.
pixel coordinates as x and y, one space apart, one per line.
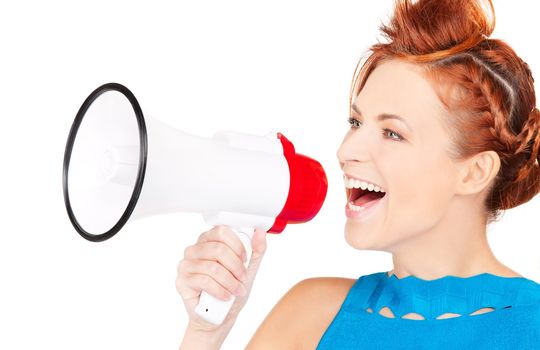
119 165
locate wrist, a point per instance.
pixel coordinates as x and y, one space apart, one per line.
199 338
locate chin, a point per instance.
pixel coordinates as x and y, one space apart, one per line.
362 240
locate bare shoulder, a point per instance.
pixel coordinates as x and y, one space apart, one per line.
302 315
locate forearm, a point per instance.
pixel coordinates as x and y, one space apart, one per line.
196 339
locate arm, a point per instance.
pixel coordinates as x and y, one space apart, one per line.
199 339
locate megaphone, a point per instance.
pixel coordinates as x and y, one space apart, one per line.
120 166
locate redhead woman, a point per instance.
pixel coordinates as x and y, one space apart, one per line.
444 119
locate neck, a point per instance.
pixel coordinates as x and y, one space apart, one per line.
457 245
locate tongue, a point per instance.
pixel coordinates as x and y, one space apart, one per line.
369 197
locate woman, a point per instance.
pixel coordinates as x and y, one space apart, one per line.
444 128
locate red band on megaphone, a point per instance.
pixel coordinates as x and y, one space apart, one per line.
307 190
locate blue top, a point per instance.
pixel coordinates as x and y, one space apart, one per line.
514 322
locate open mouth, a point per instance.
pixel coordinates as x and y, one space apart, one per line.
360 197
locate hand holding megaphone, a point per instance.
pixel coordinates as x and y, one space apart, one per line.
215 266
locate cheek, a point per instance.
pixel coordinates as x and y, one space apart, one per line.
421 190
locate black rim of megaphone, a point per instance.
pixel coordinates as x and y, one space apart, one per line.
142 160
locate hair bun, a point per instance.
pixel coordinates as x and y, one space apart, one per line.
461 25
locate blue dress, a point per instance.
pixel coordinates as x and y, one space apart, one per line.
514 322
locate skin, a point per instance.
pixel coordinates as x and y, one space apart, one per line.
431 220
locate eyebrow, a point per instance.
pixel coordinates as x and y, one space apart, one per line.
384 116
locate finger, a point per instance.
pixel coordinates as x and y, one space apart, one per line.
221 233
258 242
216 271
217 251
259 248
200 282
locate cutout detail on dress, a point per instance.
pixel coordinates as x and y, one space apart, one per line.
387 312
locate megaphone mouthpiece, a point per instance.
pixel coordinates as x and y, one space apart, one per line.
307 190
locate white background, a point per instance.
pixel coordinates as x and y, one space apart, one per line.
201 66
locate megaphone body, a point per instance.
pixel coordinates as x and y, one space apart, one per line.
120 166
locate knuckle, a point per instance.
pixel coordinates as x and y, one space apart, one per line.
187 250
220 248
223 232
181 266
220 234
179 282
202 236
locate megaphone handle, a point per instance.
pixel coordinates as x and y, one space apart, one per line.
215 310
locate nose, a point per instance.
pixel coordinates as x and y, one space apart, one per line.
355 147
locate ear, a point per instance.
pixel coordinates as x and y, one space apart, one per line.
477 172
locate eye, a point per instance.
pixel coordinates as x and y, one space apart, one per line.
398 136
356 123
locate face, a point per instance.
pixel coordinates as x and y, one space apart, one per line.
408 159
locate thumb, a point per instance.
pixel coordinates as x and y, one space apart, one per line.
258 243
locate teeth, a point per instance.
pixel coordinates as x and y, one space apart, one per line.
354 207
352 183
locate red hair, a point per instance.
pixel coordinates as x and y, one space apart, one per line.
486 88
